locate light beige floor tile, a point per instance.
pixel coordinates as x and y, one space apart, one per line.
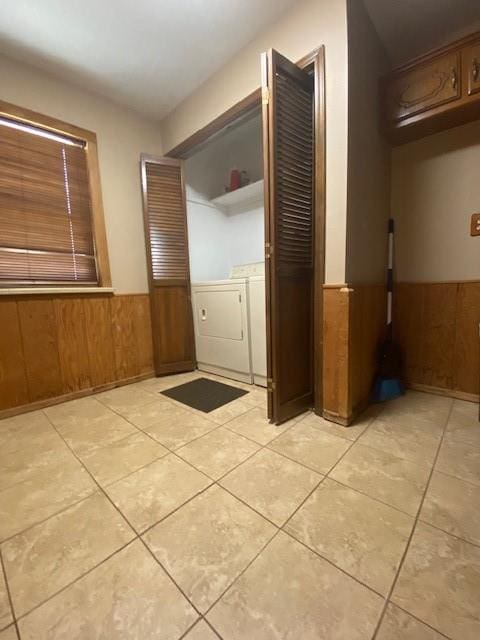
97 433
271 484
78 413
290 593
255 425
207 543
418 406
201 631
463 424
398 625
229 411
29 430
50 555
9 634
152 492
311 446
156 385
127 597
26 462
42 495
127 398
459 459
358 534
348 433
118 459
5 612
397 482
256 397
178 426
440 583
217 452
414 441
449 505
150 413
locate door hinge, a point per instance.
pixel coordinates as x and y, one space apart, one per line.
240 297
268 250
265 95
271 385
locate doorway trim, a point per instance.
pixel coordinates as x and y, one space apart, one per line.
314 62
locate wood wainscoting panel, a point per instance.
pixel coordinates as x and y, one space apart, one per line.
354 325
336 339
38 325
72 339
466 374
124 340
54 347
436 327
99 339
368 322
13 378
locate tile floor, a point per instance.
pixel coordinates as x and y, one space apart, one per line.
129 516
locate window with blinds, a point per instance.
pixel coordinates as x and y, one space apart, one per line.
46 232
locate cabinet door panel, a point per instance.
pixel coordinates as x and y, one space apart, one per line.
471 62
424 87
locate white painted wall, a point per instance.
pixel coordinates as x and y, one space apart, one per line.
435 190
207 239
245 232
218 241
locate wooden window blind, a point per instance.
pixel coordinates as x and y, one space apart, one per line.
166 222
46 231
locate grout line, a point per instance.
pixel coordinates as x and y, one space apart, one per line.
9 595
216 482
449 533
407 546
394 604
82 575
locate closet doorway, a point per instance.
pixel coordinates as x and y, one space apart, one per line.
193 284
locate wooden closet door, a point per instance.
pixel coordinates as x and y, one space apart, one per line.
165 218
288 136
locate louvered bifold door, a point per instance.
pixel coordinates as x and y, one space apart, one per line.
169 274
288 132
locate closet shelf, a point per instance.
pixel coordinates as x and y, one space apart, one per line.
247 197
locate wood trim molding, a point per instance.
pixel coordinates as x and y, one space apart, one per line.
238 110
8 110
50 402
13 112
449 393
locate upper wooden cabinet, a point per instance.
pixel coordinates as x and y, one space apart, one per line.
471 63
434 92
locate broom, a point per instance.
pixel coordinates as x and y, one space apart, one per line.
387 383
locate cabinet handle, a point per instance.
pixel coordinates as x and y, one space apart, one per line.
475 69
454 78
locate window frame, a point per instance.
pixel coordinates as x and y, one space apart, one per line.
28 117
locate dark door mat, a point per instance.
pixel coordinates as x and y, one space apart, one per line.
204 394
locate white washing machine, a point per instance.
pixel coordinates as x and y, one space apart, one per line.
220 316
230 325
255 275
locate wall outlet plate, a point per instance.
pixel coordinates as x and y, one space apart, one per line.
475 225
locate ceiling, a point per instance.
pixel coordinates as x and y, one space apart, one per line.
146 54
408 28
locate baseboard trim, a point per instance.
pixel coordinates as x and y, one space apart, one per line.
81 393
441 391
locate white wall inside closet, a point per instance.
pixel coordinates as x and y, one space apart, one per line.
221 238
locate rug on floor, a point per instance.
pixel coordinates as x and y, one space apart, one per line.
204 394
